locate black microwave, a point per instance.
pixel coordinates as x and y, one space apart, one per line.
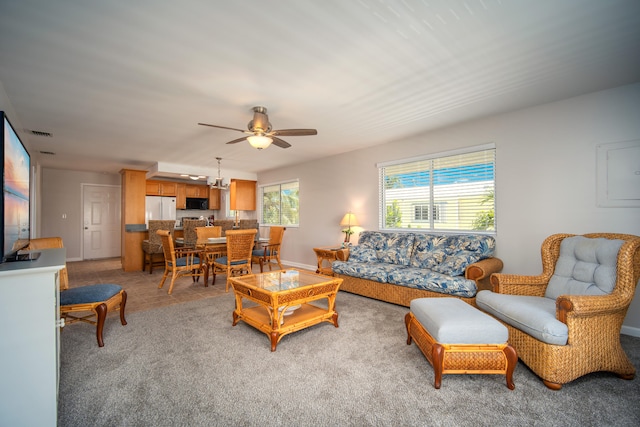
196 203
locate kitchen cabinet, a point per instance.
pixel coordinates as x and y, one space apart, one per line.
214 198
181 196
30 344
161 188
242 195
133 208
197 191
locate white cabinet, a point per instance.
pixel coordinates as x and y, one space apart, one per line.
29 340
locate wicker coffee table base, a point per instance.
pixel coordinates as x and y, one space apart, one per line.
462 358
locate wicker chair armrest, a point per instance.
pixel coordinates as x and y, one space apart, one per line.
581 306
483 268
187 250
514 284
342 254
270 247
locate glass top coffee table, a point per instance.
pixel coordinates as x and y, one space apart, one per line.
281 301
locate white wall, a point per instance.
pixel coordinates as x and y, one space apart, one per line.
61 201
545 179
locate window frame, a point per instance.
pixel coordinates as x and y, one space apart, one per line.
261 189
422 192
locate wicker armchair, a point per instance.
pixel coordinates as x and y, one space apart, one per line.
593 318
152 247
270 251
237 261
181 262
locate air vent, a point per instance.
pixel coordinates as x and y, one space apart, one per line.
40 133
49 153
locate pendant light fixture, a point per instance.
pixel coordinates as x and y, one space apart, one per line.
219 184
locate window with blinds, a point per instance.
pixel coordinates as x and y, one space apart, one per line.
280 204
452 191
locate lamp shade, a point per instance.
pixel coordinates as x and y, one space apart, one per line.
259 141
349 220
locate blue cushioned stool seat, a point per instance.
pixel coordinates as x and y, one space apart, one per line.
89 294
98 299
457 338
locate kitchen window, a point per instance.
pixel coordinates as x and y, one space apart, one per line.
449 192
280 204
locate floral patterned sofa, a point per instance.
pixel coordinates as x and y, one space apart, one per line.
399 267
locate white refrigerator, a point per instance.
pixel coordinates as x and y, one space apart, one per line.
158 207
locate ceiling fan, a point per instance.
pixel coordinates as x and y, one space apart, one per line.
260 134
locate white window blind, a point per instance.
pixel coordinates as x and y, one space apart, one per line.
280 204
446 192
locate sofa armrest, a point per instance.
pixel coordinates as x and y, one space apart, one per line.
514 284
481 271
342 254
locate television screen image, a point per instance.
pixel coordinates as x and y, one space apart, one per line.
16 169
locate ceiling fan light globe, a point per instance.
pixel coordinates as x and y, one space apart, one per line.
259 141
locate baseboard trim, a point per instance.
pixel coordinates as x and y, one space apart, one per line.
628 330
299 265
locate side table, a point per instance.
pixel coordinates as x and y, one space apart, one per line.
326 254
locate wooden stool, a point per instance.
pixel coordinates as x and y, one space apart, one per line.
456 338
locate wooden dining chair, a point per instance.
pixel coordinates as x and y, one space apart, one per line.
204 233
182 261
210 253
270 251
237 261
89 303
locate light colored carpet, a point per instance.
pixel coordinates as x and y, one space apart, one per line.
186 365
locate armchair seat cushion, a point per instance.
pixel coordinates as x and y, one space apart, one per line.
535 316
260 252
89 294
223 260
182 261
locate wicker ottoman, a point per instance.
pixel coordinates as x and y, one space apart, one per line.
456 338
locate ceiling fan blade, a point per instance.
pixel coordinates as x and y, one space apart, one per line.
280 143
235 141
222 127
294 132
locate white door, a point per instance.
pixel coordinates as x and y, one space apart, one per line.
101 218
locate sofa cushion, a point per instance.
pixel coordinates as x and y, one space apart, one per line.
585 266
391 248
455 265
396 249
376 271
361 253
428 251
421 278
535 316
462 251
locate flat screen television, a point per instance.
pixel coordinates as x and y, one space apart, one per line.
16 190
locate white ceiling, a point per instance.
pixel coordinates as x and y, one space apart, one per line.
123 84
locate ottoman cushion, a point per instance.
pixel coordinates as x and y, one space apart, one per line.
452 321
89 294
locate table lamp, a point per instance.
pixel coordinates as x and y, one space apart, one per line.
348 220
